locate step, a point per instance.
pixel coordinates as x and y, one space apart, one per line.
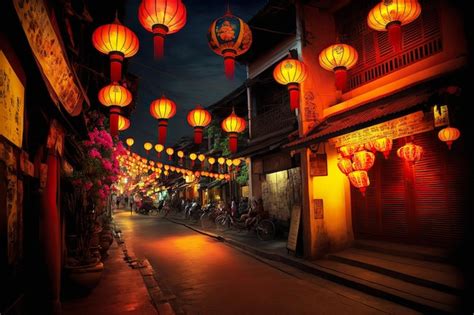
404 250
438 276
418 297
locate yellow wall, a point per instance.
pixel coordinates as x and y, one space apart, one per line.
334 189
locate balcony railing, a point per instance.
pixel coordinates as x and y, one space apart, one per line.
277 117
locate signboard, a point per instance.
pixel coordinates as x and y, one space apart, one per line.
12 100
49 53
396 128
441 116
318 164
318 209
294 228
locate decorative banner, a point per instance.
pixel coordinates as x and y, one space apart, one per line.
397 128
49 53
441 115
12 99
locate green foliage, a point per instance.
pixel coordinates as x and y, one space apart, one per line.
243 175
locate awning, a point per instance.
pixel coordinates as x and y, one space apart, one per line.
378 111
267 145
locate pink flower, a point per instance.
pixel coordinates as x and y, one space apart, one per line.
93 153
107 165
88 186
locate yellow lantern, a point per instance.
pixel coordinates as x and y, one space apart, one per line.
221 160
192 157
129 142
360 179
201 157
345 165
170 152
448 135
180 154
211 160
291 72
159 148
383 145
363 160
339 58
410 152
147 146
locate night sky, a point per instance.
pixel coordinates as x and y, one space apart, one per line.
190 73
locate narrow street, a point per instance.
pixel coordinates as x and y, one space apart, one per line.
210 277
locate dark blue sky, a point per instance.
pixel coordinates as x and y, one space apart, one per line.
190 73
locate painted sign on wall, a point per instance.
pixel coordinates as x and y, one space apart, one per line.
12 98
49 53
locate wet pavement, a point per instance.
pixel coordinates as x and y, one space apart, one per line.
210 277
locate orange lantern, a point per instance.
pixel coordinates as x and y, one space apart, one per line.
123 123
199 118
233 125
410 152
147 146
201 158
390 15
339 58
118 42
360 179
159 148
383 145
448 135
193 157
129 142
161 17
345 165
170 152
229 36
363 160
349 150
211 162
370 146
114 96
180 154
291 72
162 109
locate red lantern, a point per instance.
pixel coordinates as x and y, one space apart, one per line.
114 96
349 150
448 135
390 15
360 179
410 152
339 58
199 118
345 165
233 125
229 36
363 160
383 145
370 146
291 72
162 109
123 123
161 17
118 42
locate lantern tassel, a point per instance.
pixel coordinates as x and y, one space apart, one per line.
362 191
197 135
449 143
162 128
233 142
395 35
294 90
229 64
116 60
341 78
114 117
159 33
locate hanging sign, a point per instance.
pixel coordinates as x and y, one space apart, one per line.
441 116
12 98
49 54
396 128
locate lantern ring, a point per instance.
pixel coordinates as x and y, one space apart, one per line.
160 30
339 68
393 23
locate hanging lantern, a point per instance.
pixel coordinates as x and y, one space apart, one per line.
166 167
147 146
236 163
233 125
221 176
161 17
390 15
349 150
199 118
228 162
370 146
201 158
129 142
448 135
170 152
410 152
114 96
180 154
291 72
192 157
118 42
383 145
162 109
339 58
229 36
221 162
345 165
123 123
211 162
360 179
159 148
363 160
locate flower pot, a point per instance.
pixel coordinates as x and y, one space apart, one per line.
84 277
